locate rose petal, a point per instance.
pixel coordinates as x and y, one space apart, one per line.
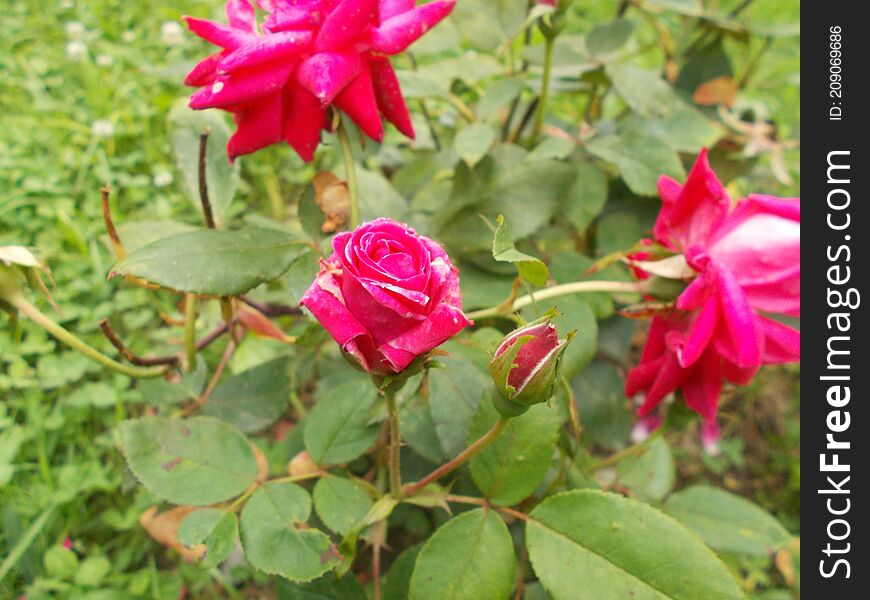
325 302
693 215
241 15
344 24
242 87
327 73
389 96
395 34
304 116
738 321
257 127
442 324
357 100
782 344
700 334
272 47
205 70
391 8
218 33
703 387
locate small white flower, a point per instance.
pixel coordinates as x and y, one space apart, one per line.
128 36
162 178
103 128
103 60
172 33
66 4
75 30
76 50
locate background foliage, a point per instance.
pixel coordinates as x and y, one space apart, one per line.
91 95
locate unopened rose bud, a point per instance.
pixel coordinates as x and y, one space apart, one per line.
301 465
525 366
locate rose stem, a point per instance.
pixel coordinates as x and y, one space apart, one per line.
549 44
576 287
395 443
190 302
349 165
203 179
33 313
481 443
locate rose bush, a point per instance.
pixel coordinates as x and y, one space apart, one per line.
386 295
200 406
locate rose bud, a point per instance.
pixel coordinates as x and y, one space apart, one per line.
525 366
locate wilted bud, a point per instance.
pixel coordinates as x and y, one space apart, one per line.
302 465
525 366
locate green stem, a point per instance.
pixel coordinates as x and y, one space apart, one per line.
622 454
190 331
352 191
395 446
24 541
481 443
577 287
33 313
549 45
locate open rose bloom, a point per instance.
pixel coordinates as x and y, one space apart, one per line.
747 260
386 295
279 81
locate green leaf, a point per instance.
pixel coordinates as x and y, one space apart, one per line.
211 261
378 197
620 548
498 95
650 475
201 460
471 557
641 160
487 24
454 394
555 148
610 37
503 250
602 403
60 562
418 430
395 584
727 522
217 529
685 129
328 587
514 465
340 503
527 193
473 142
93 570
135 234
337 429
587 196
159 392
185 127
253 399
273 541
644 91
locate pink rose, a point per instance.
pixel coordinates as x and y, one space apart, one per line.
310 54
386 295
747 261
